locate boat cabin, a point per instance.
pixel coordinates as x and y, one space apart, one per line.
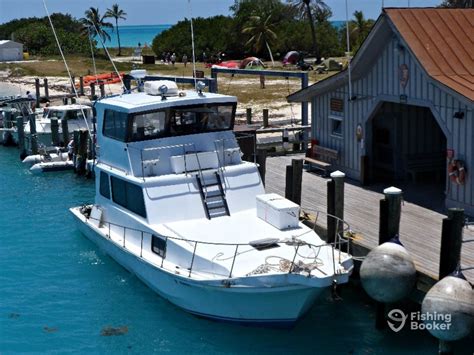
68 112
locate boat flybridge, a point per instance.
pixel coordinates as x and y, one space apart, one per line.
177 206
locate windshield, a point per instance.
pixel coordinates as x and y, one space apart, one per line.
169 122
70 114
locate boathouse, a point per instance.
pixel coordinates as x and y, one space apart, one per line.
10 51
407 117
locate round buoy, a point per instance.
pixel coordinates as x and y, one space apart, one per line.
388 273
448 308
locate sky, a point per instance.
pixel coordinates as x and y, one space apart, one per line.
152 12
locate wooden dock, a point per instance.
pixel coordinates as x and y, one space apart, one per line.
420 227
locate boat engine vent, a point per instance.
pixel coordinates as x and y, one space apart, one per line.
155 88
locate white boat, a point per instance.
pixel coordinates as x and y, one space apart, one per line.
52 166
73 114
47 155
177 206
11 108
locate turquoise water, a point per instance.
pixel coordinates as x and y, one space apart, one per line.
58 292
130 36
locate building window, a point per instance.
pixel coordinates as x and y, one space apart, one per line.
128 195
104 185
116 125
336 126
158 246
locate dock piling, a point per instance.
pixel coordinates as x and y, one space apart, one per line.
389 227
92 90
249 115
451 242
38 93
294 178
81 158
33 135
102 89
21 137
54 131
335 203
65 132
265 117
297 165
73 83
81 86
46 89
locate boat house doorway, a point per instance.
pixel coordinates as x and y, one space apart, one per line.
408 148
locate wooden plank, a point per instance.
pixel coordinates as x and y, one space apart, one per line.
420 227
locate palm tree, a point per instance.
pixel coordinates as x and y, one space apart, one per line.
117 14
306 8
94 24
262 31
359 28
458 3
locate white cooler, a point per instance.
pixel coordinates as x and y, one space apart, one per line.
278 211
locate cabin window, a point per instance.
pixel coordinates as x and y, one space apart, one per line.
336 126
104 185
148 126
158 246
128 195
115 125
205 118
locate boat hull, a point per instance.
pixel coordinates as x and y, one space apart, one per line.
260 306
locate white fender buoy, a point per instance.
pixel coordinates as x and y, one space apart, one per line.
448 308
388 273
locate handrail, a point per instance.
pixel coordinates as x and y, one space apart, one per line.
295 242
339 231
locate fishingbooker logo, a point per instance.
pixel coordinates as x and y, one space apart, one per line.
418 321
396 320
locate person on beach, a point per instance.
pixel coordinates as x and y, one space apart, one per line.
204 57
173 59
185 60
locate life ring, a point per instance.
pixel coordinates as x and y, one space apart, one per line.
457 172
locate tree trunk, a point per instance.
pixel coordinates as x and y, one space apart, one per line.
270 52
313 33
118 37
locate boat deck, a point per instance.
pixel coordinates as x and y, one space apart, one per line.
420 227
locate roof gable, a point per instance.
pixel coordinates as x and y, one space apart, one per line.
438 38
441 39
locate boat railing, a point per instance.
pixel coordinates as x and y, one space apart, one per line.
158 149
220 151
342 240
342 231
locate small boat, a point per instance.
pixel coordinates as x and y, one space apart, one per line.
177 206
52 154
52 166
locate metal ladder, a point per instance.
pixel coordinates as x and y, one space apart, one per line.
212 196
